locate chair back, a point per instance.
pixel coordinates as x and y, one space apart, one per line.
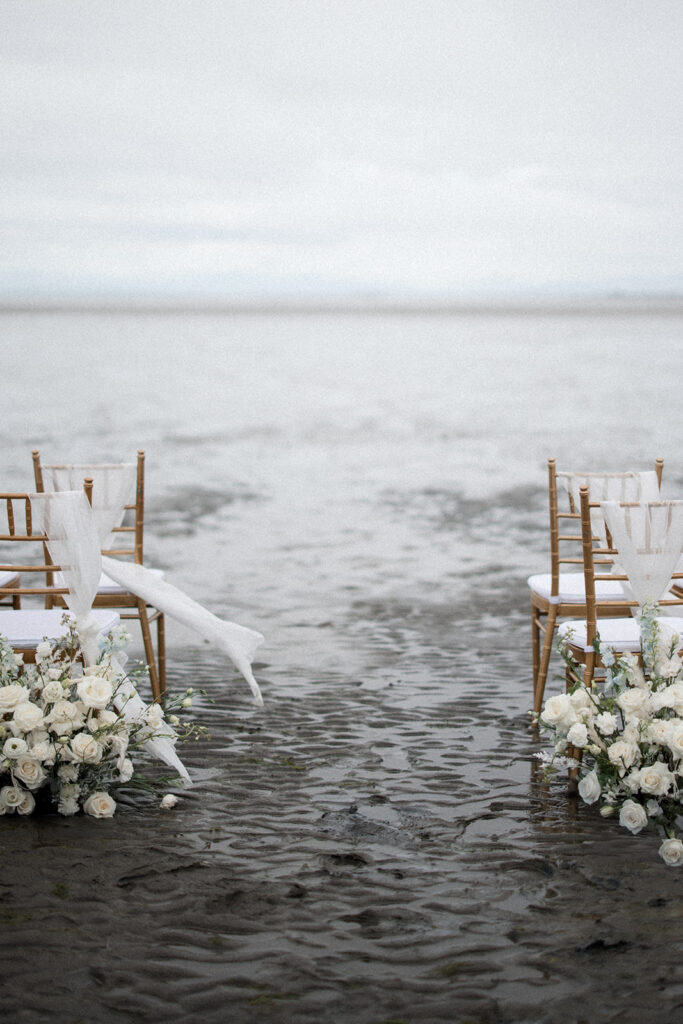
566 547
650 537
27 544
119 489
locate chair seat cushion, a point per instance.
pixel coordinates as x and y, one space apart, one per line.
572 588
27 627
7 577
621 634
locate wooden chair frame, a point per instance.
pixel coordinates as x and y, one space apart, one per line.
139 609
594 556
546 613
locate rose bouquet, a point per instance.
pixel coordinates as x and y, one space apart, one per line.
624 735
65 737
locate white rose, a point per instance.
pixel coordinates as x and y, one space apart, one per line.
28 716
168 801
668 668
52 692
43 650
671 852
632 816
656 779
86 749
11 797
669 697
65 717
579 698
95 692
658 731
675 739
606 722
154 716
589 788
107 718
43 752
623 754
100 805
578 735
12 696
68 805
126 770
15 746
558 712
29 771
27 805
634 701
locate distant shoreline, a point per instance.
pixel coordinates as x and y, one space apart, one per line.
567 307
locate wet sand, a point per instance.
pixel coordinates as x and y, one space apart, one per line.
371 850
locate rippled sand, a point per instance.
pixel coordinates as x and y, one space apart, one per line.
353 852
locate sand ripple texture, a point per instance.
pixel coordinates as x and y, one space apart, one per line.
350 853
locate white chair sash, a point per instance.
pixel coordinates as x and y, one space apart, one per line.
238 642
67 519
649 538
113 488
629 486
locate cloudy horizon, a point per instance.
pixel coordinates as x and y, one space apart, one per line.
340 151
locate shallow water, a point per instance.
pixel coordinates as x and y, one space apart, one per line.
376 843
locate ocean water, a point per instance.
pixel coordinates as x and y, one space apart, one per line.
368 491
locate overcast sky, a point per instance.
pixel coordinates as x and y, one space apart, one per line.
366 149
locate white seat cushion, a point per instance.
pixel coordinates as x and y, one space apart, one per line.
572 588
7 577
26 628
621 634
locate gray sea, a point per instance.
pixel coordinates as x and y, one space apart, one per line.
376 845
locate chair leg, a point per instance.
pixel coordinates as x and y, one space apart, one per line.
539 688
161 654
535 643
149 648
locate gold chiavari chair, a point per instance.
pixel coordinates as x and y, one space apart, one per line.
26 626
126 542
561 592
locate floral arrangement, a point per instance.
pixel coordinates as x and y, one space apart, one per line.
64 735
624 735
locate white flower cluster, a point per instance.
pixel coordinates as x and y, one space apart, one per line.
628 734
60 734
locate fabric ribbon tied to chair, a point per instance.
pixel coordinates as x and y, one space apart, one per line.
649 538
66 518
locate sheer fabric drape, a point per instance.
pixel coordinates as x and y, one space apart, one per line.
68 522
649 538
113 488
629 486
